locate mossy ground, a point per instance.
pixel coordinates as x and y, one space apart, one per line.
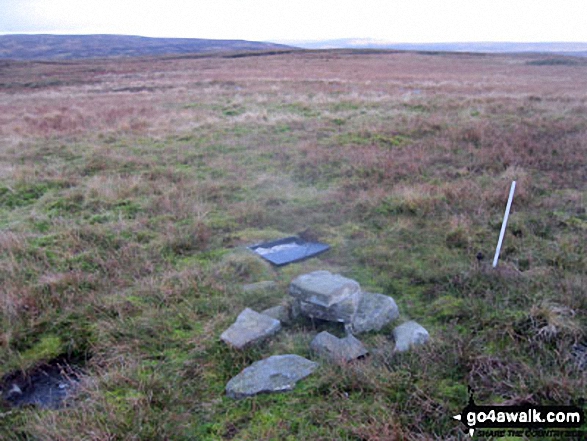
124 218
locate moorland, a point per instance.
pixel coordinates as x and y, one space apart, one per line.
129 189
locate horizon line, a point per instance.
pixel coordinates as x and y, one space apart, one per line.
371 40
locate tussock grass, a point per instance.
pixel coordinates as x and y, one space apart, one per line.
129 189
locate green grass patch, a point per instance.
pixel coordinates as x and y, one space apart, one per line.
24 194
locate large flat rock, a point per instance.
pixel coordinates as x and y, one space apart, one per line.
323 288
250 327
374 312
278 373
337 350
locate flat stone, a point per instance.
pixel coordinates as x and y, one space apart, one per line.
278 312
337 350
409 334
266 285
278 373
339 312
374 312
323 288
250 327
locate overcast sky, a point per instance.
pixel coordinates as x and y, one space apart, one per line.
416 21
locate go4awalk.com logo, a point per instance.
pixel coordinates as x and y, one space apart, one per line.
523 420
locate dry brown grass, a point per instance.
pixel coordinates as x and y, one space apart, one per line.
106 96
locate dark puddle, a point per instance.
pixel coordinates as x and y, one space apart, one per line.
47 386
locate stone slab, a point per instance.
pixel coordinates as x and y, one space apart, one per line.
278 373
323 288
342 312
250 327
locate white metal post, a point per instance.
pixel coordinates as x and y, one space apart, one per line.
504 224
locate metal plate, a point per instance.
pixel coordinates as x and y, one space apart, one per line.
288 250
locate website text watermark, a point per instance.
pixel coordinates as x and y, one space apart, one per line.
522 420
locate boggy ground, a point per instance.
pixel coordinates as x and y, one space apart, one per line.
129 187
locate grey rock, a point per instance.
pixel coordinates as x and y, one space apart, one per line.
278 312
374 312
250 327
337 350
339 312
323 288
295 309
409 334
278 373
326 296
266 285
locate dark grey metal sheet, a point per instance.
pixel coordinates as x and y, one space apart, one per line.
288 250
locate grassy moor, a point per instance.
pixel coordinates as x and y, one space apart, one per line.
129 190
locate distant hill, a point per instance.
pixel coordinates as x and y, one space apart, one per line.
46 46
576 49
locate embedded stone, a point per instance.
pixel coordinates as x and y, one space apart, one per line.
278 373
278 312
338 350
250 327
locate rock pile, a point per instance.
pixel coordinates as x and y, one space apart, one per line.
335 298
326 296
319 295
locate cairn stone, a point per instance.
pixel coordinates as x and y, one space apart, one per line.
250 327
374 312
278 373
279 312
409 334
326 296
337 350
